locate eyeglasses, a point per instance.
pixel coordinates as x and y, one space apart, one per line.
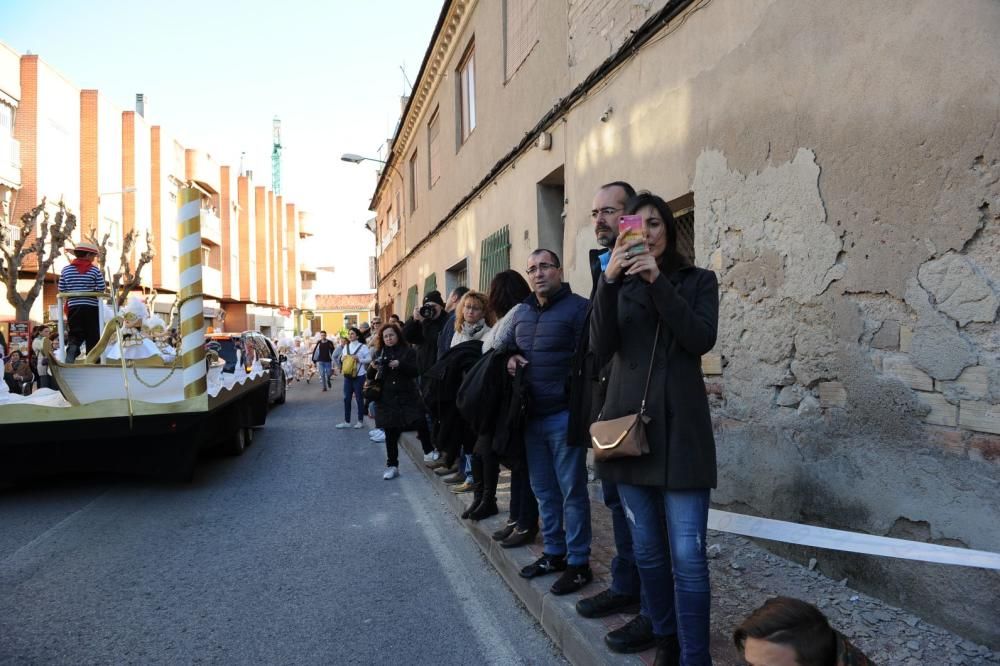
607 211
541 266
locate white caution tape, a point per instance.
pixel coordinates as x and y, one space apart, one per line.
851 542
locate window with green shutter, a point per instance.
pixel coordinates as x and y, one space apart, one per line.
411 300
494 257
430 284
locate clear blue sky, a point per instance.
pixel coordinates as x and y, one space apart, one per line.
216 73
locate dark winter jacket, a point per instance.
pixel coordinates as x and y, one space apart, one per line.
508 438
481 390
423 335
547 336
622 329
440 389
447 333
587 382
399 405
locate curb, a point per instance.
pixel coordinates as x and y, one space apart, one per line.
580 640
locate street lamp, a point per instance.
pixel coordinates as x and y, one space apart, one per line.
127 190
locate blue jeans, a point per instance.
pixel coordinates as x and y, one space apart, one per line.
352 387
624 574
673 568
325 369
558 475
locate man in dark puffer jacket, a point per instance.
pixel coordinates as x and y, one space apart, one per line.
547 334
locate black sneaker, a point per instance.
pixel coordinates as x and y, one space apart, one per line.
635 636
574 578
668 651
545 564
607 603
504 532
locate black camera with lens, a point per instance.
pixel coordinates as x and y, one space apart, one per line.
427 311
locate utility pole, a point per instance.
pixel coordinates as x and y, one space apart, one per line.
276 157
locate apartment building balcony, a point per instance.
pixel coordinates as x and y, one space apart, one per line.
10 162
211 281
211 227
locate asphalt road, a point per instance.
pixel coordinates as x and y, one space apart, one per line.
295 553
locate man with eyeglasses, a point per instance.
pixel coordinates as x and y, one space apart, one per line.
586 397
546 335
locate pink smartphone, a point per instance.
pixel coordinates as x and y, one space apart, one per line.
630 227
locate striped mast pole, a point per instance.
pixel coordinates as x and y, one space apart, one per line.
191 296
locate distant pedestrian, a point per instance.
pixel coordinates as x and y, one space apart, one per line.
322 356
353 360
81 275
398 407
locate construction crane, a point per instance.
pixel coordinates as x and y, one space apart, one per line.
276 157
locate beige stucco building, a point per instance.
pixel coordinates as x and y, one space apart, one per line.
844 164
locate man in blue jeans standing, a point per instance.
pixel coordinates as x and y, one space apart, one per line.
322 356
547 334
587 398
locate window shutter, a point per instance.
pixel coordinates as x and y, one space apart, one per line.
430 284
411 301
494 257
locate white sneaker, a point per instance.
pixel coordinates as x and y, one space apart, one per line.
430 457
390 473
341 426
359 425
378 437
373 431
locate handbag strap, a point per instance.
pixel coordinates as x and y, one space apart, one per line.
649 373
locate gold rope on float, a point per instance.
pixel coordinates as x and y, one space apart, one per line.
192 329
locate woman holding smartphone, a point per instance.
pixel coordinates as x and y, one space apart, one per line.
655 314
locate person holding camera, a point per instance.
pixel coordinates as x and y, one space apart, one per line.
422 330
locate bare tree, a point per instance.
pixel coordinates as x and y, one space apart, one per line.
126 278
45 241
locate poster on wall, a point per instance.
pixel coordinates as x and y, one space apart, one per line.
17 336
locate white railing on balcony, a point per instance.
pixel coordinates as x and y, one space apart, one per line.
10 160
211 226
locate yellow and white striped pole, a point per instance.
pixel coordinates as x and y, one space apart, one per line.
191 294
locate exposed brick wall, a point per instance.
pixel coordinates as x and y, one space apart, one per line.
293 260
275 247
243 198
261 210
286 269
128 176
225 209
155 184
89 216
26 131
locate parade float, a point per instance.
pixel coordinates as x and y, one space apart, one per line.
133 402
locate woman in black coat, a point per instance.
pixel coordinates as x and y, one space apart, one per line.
642 289
398 407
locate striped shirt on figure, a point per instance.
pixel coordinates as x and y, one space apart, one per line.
71 279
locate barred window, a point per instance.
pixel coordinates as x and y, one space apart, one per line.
413 181
494 257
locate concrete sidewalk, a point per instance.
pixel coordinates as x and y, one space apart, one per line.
743 576
581 640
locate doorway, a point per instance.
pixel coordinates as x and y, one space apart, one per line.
551 201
